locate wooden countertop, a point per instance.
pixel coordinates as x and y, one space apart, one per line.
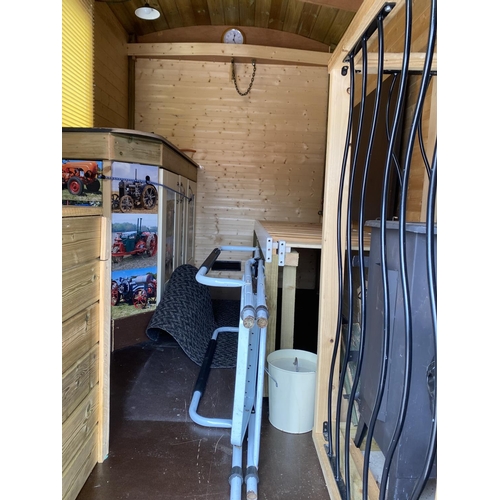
298 235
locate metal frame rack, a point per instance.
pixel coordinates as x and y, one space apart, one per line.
250 368
363 54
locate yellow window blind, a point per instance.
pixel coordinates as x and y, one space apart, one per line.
77 63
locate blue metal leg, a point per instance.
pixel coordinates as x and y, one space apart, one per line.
254 425
201 383
251 476
249 379
236 477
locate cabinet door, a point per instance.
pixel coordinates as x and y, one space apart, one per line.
190 222
180 246
172 224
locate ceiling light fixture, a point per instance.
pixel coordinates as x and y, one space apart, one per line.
147 12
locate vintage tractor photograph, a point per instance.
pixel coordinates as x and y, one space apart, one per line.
78 176
139 291
135 195
134 243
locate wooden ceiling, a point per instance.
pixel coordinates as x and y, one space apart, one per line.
300 24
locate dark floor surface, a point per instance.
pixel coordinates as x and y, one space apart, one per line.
157 452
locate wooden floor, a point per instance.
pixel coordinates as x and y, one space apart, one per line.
157 452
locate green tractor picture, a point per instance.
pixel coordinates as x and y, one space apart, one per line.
135 243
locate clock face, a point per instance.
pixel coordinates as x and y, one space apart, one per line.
233 35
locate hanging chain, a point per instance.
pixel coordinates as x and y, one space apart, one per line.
251 81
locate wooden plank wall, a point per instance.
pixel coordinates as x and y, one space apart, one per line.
262 155
110 70
81 247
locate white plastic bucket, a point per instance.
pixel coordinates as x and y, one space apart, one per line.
292 387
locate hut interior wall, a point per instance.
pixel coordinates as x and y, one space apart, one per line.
110 70
262 155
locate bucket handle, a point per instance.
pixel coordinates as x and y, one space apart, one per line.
270 376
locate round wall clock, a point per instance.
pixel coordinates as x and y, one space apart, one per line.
233 35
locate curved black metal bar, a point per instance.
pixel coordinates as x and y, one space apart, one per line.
431 277
349 270
402 217
422 148
371 139
402 237
403 173
388 127
340 264
349 336
431 267
390 159
426 78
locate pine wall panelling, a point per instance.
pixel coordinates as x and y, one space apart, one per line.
110 70
262 155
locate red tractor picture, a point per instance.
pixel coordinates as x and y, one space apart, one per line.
135 243
77 175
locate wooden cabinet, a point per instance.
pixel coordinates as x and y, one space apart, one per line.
122 238
148 188
179 221
84 347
